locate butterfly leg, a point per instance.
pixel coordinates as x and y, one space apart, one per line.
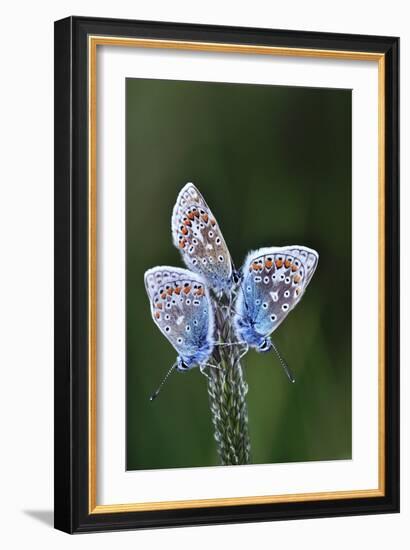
211 366
202 369
204 365
243 352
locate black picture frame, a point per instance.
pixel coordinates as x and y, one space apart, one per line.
71 493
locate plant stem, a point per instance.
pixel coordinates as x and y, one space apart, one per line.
227 391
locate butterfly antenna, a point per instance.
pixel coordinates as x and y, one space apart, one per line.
155 394
285 367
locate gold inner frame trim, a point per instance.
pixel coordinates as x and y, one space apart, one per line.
93 42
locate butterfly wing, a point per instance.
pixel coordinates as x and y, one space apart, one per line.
197 235
181 308
274 281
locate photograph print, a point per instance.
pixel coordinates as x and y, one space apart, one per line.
238 274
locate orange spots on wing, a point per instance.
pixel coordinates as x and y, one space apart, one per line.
213 222
297 278
287 264
191 215
184 231
199 292
255 266
298 291
268 264
163 295
196 214
279 263
177 290
205 218
182 243
159 306
294 267
170 291
187 222
187 289
157 315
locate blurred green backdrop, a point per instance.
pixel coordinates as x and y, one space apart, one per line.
274 165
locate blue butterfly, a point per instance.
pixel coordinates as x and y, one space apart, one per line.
273 283
181 308
197 235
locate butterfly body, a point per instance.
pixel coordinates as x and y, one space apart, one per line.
273 283
181 308
197 235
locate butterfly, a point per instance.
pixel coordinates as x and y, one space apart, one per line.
182 310
273 283
197 235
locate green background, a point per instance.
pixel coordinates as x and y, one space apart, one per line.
274 165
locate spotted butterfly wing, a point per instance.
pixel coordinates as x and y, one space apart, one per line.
274 281
197 235
181 308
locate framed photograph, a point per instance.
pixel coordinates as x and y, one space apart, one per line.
226 274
